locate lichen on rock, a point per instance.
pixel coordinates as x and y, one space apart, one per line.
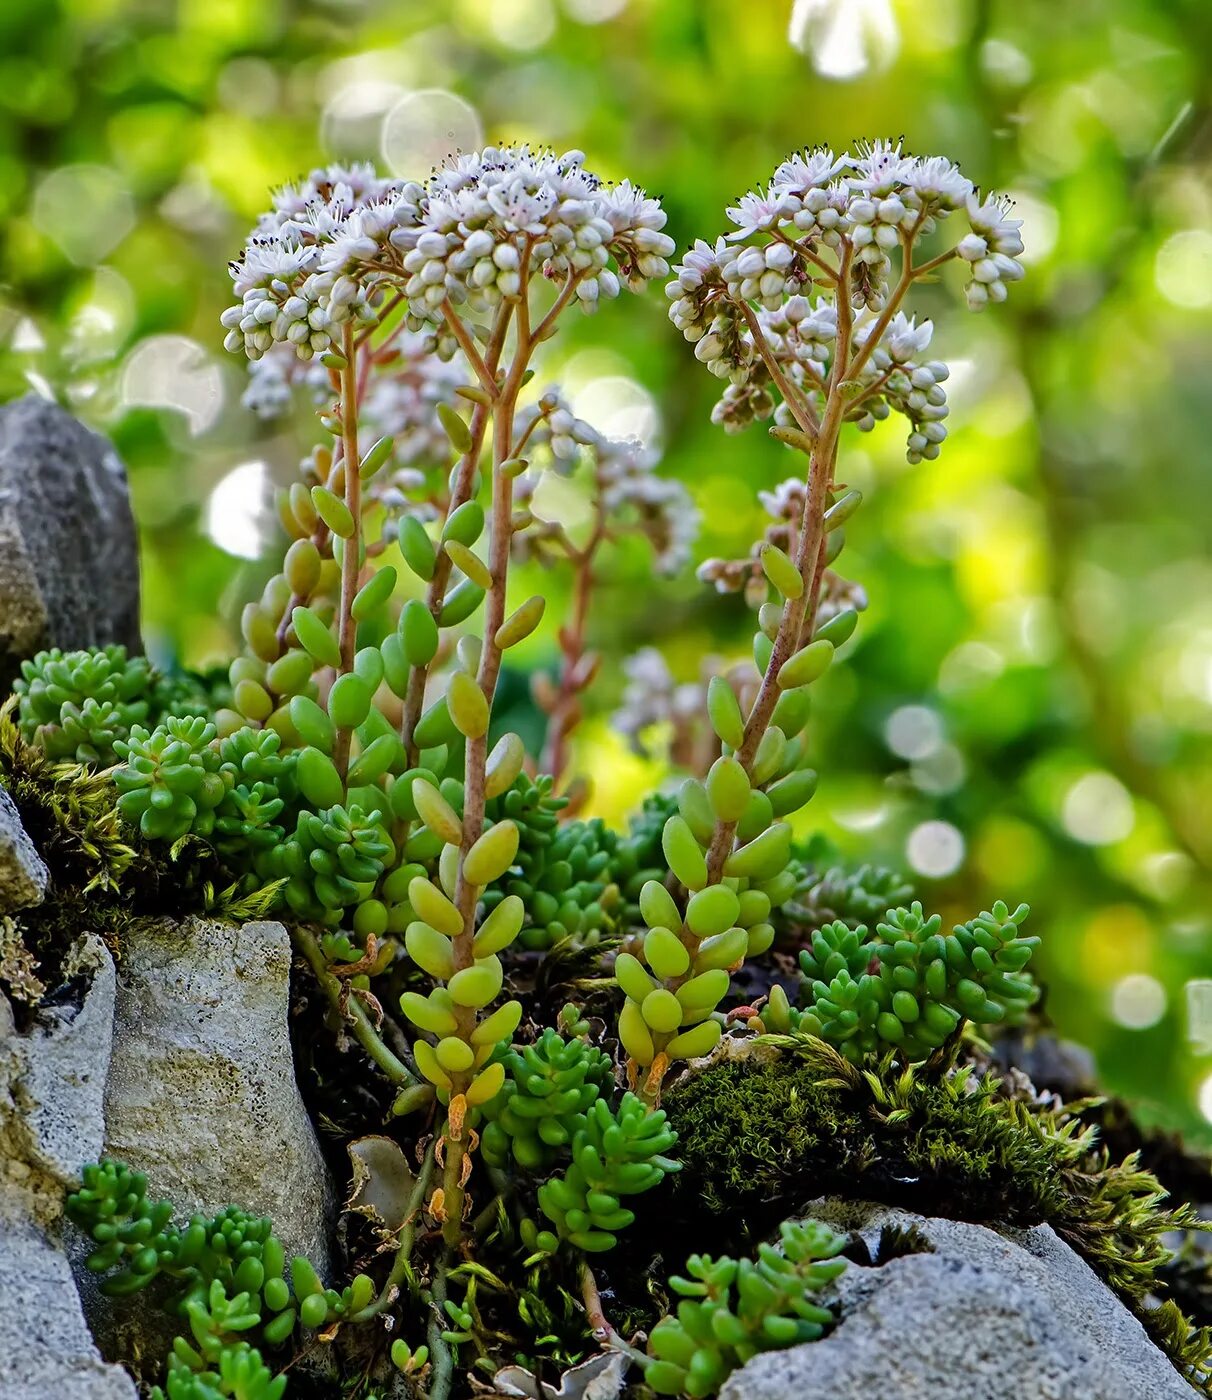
51 1093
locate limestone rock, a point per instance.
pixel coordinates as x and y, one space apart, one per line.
69 561
985 1316
51 1093
23 877
201 1094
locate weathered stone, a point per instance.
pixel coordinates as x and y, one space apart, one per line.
51 1093
69 561
201 1094
988 1314
23 876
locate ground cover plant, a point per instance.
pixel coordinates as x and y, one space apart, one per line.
565 1027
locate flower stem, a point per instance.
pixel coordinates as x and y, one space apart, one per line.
351 549
809 554
461 491
562 715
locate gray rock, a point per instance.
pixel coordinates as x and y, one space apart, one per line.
201 1093
51 1094
69 561
988 1315
23 877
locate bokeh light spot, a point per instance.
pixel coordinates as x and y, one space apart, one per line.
1183 268
1199 1014
522 24
1097 810
935 849
594 11
1205 1098
845 39
913 731
1138 1001
939 772
425 127
86 209
172 371
619 408
238 517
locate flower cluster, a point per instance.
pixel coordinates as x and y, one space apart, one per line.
493 217
992 248
748 305
306 269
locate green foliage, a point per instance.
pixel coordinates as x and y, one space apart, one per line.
169 785
909 988
216 1362
614 1154
733 1309
856 896
229 1276
70 812
77 705
578 879
770 1128
314 786
549 1087
331 863
74 705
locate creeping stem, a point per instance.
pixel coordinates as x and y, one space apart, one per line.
363 1028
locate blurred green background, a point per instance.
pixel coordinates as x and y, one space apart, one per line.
1027 709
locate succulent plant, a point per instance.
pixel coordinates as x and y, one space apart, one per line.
910 987
74 705
549 1087
733 1309
615 1154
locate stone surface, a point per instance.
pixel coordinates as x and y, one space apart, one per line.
985 1316
69 560
51 1095
23 877
201 1093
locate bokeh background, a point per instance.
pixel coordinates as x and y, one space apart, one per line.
1027 709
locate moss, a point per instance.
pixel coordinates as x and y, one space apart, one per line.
759 1136
102 875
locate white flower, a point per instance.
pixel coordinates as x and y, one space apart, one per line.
808 170
492 218
882 168
302 272
755 213
904 338
992 222
991 249
937 184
